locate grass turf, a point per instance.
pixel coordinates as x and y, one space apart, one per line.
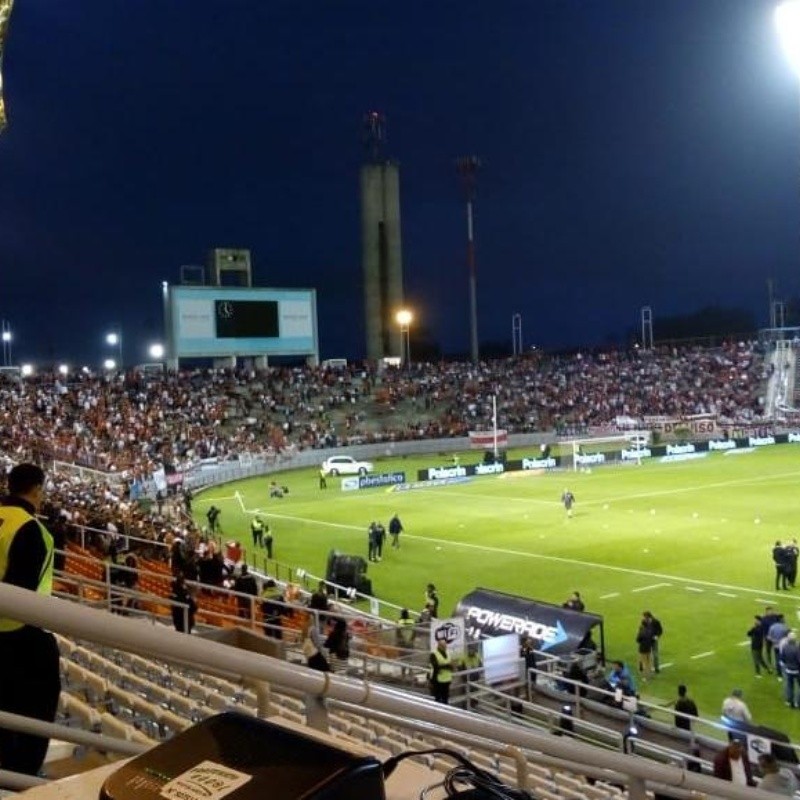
690 541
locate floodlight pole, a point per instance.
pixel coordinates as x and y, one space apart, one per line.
467 168
494 425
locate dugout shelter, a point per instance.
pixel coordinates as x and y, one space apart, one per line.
559 631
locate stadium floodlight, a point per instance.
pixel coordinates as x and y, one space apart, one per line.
114 339
156 351
404 319
7 337
787 21
26 370
109 364
63 369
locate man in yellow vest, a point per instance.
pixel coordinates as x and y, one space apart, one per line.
441 673
29 668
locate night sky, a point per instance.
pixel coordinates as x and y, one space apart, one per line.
635 152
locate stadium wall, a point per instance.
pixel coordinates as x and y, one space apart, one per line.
211 472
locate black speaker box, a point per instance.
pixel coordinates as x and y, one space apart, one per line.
238 757
345 570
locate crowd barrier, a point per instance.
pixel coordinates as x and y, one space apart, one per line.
82 623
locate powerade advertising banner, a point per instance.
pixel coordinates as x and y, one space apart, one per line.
558 630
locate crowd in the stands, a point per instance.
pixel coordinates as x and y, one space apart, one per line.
138 422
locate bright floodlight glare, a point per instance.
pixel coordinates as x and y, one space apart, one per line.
787 21
156 351
404 317
63 369
109 363
112 338
6 336
26 370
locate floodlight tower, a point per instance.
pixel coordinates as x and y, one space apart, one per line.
381 242
5 16
467 168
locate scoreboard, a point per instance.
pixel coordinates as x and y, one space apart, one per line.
216 321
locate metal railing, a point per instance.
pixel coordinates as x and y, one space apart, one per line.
84 623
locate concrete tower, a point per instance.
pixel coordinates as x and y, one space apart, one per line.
381 244
5 16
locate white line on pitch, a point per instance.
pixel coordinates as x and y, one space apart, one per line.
726 594
702 655
743 644
651 586
762 600
524 554
695 488
666 666
606 596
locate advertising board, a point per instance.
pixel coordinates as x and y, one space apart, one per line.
216 321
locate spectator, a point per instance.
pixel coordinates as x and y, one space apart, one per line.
756 636
775 779
734 708
684 705
319 599
272 610
312 645
574 602
731 764
183 613
337 644
247 585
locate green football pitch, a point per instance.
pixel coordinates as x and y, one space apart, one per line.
690 541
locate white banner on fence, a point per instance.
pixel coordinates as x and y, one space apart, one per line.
452 632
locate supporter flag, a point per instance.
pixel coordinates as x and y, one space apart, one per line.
485 440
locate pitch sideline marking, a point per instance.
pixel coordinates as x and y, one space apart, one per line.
523 554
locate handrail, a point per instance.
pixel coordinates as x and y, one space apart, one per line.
253 601
67 618
654 711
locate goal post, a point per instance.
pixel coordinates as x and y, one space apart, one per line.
587 452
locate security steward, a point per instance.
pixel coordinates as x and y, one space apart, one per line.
257 528
472 664
405 630
29 668
441 673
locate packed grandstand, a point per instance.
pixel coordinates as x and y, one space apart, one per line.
112 436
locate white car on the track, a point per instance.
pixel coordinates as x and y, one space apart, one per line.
345 465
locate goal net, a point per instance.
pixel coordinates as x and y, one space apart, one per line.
586 453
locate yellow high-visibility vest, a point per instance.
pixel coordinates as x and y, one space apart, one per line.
445 672
12 518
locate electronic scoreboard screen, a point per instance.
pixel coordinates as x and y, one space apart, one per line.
244 319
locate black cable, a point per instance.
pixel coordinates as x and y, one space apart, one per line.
480 783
